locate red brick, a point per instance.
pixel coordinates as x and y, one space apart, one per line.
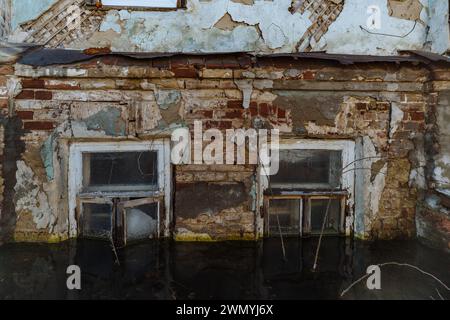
281 113
43 95
253 110
38 125
234 104
26 94
25 115
214 63
230 63
6 70
309 75
3 103
235 114
264 109
185 72
33 83
417 116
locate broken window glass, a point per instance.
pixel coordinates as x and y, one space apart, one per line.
285 216
96 222
318 209
142 222
308 169
122 171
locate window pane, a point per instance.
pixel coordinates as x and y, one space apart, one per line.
96 220
318 210
120 169
309 168
287 213
142 222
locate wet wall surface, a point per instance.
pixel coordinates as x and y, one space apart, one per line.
222 270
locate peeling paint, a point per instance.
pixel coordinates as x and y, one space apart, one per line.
29 198
396 118
108 120
246 86
167 98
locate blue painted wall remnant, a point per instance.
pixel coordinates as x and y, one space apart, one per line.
25 10
47 156
108 120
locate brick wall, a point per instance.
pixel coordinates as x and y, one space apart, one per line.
383 103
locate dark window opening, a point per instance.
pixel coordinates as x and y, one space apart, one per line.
325 211
305 196
284 216
97 220
119 219
120 171
121 197
308 169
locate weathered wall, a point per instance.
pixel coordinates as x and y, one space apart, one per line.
433 218
5 18
238 26
380 105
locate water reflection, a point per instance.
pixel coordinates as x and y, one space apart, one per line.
223 270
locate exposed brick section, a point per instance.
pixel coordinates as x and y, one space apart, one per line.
25 115
43 95
26 94
33 83
39 125
183 72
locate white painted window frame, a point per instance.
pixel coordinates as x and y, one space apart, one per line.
161 146
347 147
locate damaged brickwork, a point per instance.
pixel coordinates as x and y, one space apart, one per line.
381 106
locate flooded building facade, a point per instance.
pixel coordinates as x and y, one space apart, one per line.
92 92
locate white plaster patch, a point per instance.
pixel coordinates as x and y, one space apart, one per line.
396 118
30 198
246 86
346 36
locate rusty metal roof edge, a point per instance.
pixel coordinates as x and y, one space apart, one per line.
40 57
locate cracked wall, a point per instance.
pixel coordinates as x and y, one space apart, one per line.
238 26
380 106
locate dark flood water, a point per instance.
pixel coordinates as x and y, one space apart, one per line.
223 270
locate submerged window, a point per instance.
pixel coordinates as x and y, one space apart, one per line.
285 216
118 189
309 191
97 220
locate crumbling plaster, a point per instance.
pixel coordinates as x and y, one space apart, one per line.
261 26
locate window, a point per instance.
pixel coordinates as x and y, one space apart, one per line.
311 189
119 191
155 4
107 171
309 169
